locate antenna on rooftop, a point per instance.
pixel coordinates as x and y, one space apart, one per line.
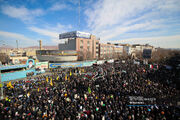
79 15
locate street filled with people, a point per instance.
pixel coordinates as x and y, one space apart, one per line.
120 90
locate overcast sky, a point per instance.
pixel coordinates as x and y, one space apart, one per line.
156 22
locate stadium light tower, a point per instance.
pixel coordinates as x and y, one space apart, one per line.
17 44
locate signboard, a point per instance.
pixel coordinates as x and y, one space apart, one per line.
147 53
74 34
30 63
65 65
83 34
100 62
67 35
42 65
110 61
73 64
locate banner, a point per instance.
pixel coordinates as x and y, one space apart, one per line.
30 63
73 64
65 65
42 65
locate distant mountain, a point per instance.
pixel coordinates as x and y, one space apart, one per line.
44 47
51 47
6 47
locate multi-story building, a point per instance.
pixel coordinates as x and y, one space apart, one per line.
139 48
106 50
118 49
85 44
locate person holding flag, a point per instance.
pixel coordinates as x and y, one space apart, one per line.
47 80
9 85
66 77
51 83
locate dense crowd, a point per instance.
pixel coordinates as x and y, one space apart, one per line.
111 91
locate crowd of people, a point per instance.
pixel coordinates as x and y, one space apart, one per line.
111 91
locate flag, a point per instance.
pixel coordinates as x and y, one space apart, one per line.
151 66
47 79
51 82
89 90
38 89
10 85
1 85
65 77
28 94
57 77
70 73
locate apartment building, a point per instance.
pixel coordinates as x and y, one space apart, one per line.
85 44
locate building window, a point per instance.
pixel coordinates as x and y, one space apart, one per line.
88 48
81 47
88 43
81 42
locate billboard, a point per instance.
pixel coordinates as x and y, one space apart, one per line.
67 35
74 34
64 65
83 34
41 65
30 63
74 64
147 53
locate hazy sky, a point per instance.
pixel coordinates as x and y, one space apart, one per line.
156 22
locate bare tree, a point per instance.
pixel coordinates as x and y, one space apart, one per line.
161 55
89 55
4 58
80 55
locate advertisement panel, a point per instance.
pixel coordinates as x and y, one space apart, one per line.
74 64
67 35
30 63
74 34
83 34
110 61
42 65
100 62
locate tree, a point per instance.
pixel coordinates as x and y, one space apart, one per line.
4 58
88 55
80 56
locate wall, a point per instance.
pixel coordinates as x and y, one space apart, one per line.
70 45
57 58
15 75
72 64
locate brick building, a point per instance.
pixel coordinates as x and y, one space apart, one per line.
85 44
